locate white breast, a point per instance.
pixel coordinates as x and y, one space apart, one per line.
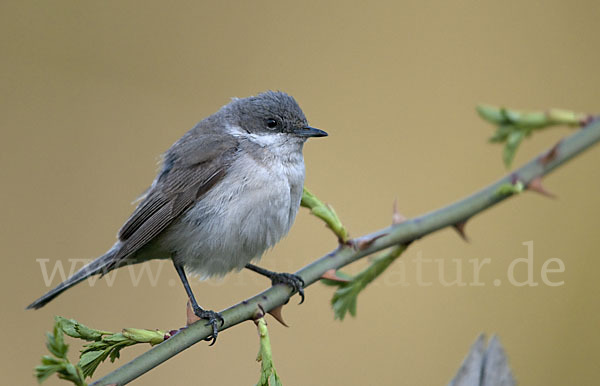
247 212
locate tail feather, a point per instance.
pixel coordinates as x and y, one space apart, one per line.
102 265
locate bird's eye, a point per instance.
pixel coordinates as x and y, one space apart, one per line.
271 123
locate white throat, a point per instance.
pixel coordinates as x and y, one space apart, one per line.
288 142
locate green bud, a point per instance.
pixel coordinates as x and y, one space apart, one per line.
144 336
491 113
533 119
566 117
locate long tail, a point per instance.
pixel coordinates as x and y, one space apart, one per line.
102 265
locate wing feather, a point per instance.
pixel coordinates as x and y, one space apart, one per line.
183 180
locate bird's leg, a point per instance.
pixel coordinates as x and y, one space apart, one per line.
289 279
212 316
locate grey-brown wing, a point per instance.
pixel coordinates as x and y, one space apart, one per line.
184 179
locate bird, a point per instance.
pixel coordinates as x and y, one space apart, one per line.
228 190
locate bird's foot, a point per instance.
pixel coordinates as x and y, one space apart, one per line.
214 318
291 280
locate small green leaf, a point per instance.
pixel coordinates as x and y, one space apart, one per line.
89 333
345 298
325 213
71 371
491 114
90 361
103 345
514 125
512 143
50 361
67 325
274 379
75 329
115 338
501 133
115 353
344 301
56 344
59 364
89 357
42 372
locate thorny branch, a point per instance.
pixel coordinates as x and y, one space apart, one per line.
454 215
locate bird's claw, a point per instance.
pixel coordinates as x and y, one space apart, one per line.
294 281
213 319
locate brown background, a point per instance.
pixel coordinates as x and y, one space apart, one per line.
93 92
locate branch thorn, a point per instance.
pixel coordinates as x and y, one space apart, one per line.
460 228
362 244
332 275
191 316
536 186
276 313
550 155
397 217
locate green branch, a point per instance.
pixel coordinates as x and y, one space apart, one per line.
345 297
326 213
103 345
58 362
403 233
268 374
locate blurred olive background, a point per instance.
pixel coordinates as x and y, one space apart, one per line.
93 92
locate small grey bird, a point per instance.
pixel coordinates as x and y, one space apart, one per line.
227 191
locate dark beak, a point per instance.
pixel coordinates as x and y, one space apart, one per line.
308 132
